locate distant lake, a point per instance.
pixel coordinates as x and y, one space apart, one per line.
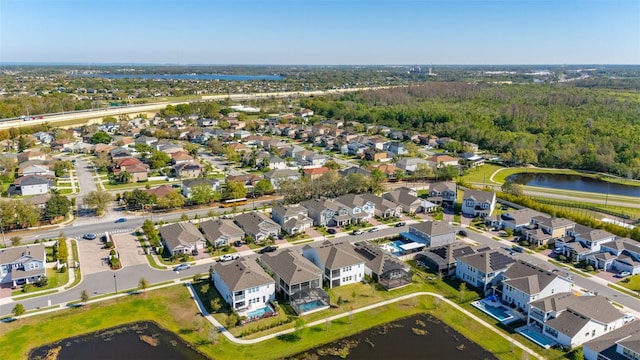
186 77
143 340
574 182
399 340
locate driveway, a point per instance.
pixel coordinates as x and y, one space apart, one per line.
313 233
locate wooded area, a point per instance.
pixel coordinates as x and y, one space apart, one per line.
551 125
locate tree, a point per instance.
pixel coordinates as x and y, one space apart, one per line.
100 137
172 200
143 284
234 190
56 206
204 289
159 159
18 310
299 323
462 289
137 199
62 250
84 296
62 167
15 240
447 172
124 177
512 188
215 305
331 164
102 162
263 187
202 194
27 215
98 200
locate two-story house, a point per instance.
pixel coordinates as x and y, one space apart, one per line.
545 230
221 232
32 185
517 219
188 170
22 264
243 284
482 270
410 165
408 200
359 208
443 193
523 283
337 262
431 233
189 185
258 226
384 208
292 218
621 343
298 280
478 203
327 212
382 267
277 176
583 241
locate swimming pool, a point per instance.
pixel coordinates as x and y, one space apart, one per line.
537 338
497 312
311 306
259 312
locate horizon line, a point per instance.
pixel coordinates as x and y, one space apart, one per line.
36 63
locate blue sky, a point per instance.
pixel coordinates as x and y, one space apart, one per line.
320 32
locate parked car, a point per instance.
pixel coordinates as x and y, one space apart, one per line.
183 266
121 220
228 257
462 233
237 243
518 249
195 252
623 274
401 223
373 230
331 231
357 232
268 249
628 317
90 236
557 250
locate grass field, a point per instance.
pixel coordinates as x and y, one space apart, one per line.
173 310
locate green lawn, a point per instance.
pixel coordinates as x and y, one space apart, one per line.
481 174
108 186
56 279
632 283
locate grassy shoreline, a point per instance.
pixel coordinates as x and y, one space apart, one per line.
172 309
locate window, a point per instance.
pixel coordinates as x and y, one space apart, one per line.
348 268
347 278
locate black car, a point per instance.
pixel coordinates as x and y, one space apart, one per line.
331 231
237 243
268 249
462 233
400 224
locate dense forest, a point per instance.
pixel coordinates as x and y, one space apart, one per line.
551 125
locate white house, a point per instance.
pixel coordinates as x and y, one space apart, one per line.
337 262
32 185
22 264
478 203
292 218
482 270
243 284
622 343
188 185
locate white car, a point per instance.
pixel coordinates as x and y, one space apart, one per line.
623 274
183 266
558 250
357 232
228 257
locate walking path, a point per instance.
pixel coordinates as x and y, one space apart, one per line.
234 339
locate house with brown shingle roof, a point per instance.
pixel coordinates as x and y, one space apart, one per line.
440 160
315 172
243 284
221 232
181 157
160 191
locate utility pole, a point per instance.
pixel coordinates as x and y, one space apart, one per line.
115 283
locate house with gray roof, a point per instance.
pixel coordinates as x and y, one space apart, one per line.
327 212
354 170
32 185
292 218
482 270
619 344
431 233
182 238
582 241
621 254
279 175
544 229
337 261
443 193
359 208
221 232
409 201
410 165
383 267
258 226
243 284
384 208
478 203
573 320
22 264
189 184
517 219
442 259
523 283
298 280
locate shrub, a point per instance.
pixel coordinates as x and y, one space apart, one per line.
589 268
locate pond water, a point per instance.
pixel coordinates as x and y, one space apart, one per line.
417 337
186 77
574 182
143 340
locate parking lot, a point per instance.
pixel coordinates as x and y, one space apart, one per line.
93 258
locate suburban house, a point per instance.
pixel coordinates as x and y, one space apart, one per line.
337 262
441 160
515 220
32 185
160 191
314 173
31 155
182 238
298 280
442 259
146 140
409 201
22 264
188 170
544 230
133 166
621 343
383 208
431 233
327 212
396 148
279 175
410 165
359 208
383 267
221 232
478 203
292 218
523 283
573 320
243 284
443 193
181 157
582 241
188 185
621 254
258 226
275 162
482 270
35 169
